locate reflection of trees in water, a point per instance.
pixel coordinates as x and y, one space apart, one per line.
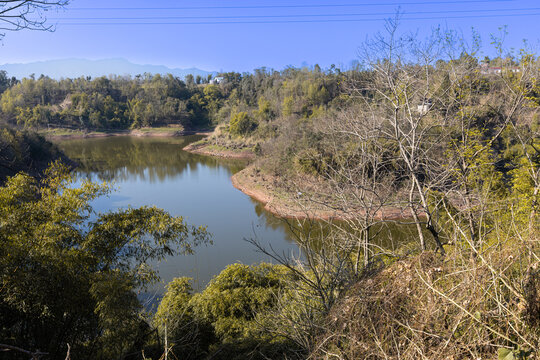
390 235
147 159
157 159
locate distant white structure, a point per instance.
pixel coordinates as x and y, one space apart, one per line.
217 80
485 69
424 106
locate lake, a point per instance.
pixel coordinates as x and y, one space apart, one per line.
156 171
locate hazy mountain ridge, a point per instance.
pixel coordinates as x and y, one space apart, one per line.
74 68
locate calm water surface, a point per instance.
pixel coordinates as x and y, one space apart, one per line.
156 171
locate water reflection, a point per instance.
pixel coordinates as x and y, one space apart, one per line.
155 171
152 160
388 235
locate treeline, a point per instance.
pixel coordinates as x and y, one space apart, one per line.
449 145
154 100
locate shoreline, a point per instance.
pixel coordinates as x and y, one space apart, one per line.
286 207
202 149
279 202
134 133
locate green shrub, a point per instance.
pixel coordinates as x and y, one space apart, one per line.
231 299
310 161
242 124
190 334
226 316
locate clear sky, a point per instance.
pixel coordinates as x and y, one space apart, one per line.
242 35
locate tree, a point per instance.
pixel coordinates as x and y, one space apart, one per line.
70 276
5 82
190 81
135 112
185 334
265 111
24 151
16 15
242 124
227 318
288 106
401 93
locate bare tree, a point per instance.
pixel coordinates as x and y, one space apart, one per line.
409 97
360 181
318 275
16 15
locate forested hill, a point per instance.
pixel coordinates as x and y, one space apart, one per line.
23 150
122 102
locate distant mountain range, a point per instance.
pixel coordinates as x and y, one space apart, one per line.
74 68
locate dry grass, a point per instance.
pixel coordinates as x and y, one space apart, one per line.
427 307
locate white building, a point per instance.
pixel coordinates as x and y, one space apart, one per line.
217 80
485 69
424 106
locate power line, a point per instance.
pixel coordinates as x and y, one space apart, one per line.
294 6
291 16
299 21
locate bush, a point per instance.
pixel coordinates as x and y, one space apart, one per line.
226 316
231 299
190 334
242 124
24 151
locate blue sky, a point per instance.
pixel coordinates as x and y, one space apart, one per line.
254 33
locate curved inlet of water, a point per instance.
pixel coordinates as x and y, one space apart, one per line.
156 171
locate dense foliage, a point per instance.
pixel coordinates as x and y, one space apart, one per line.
24 151
70 276
450 146
225 321
154 100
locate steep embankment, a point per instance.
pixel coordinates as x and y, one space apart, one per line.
283 199
433 307
26 151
